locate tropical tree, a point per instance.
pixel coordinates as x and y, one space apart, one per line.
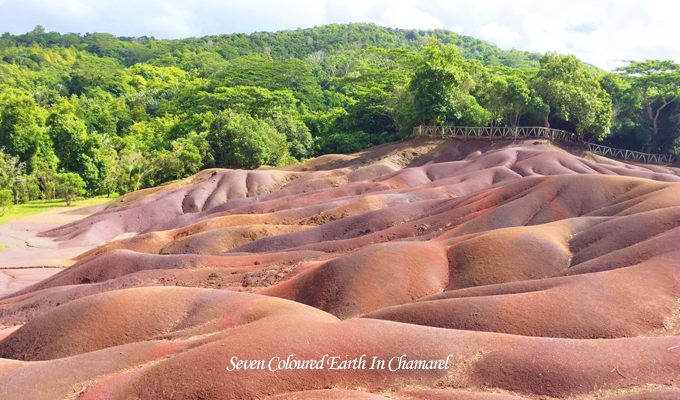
70 185
574 95
441 88
77 150
21 124
12 176
507 96
241 141
44 164
297 134
658 82
5 200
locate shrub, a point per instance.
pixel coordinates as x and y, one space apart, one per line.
70 185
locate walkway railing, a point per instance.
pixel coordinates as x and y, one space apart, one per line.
631 154
536 132
501 132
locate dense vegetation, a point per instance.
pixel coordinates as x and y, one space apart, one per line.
96 114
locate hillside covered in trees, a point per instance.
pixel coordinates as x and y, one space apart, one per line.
96 114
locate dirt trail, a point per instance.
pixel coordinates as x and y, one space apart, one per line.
27 258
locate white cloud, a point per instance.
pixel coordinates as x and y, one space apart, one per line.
500 35
392 13
600 32
409 18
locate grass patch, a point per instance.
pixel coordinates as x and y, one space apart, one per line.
39 206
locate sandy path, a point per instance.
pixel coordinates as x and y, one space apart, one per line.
28 258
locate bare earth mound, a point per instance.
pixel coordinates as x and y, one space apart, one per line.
532 272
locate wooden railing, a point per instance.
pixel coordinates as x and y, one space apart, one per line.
500 132
536 132
631 154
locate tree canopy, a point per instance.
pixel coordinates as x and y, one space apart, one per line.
126 113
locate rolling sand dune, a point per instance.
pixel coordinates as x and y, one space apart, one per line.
537 273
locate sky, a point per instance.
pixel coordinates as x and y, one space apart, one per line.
605 33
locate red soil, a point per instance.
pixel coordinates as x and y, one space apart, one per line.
538 272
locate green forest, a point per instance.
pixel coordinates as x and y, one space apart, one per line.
94 114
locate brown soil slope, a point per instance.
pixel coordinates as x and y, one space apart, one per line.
538 273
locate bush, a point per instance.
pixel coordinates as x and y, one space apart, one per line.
241 141
6 200
297 134
70 185
348 142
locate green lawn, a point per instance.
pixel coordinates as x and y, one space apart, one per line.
38 206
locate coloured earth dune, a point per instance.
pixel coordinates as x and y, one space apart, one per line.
530 271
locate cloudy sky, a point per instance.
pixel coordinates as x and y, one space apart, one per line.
601 32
